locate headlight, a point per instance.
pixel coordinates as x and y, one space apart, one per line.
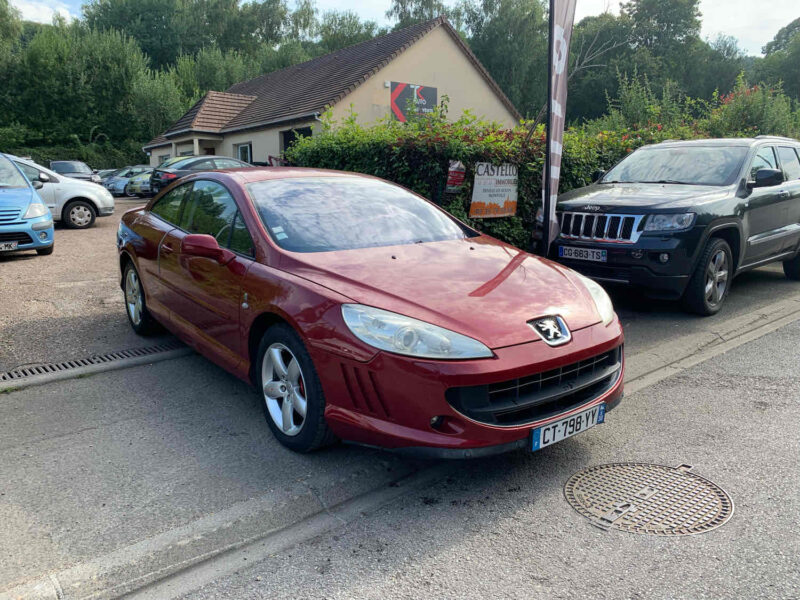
96 178
601 299
669 222
403 335
36 209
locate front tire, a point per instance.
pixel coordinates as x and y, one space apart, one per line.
139 317
711 279
791 268
130 194
79 214
291 392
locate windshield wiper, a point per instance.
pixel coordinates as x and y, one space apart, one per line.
667 181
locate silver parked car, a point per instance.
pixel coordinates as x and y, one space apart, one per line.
74 202
116 183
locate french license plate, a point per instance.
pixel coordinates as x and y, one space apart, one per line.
5 246
583 253
567 427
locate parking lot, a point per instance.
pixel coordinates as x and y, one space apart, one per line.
113 482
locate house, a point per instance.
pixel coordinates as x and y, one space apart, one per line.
409 69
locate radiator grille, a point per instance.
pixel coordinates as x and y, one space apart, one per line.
601 227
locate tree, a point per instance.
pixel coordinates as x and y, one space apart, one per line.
660 26
409 12
340 29
10 25
782 38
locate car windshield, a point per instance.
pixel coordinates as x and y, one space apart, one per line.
690 165
10 177
70 166
321 214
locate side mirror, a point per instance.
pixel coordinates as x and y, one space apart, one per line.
597 175
767 178
37 185
205 246
44 177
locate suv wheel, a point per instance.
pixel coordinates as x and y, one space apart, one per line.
79 214
292 397
791 268
711 279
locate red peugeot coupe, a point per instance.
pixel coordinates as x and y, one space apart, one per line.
361 311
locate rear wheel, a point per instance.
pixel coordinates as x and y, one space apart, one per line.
139 317
711 279
791 268
79 214
293 401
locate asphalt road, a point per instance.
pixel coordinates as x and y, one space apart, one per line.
500 528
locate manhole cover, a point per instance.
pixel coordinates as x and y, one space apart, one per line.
643 498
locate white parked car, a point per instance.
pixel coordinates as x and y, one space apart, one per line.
74 202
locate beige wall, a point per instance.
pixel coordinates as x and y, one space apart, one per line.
436 61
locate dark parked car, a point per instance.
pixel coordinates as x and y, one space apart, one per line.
75 169
681 219
178 166
360 310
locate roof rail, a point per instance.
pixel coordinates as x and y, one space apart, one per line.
775 137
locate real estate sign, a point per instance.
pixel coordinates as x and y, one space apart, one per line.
422 99
494 191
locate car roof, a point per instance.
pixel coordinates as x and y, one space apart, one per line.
746 142
253 174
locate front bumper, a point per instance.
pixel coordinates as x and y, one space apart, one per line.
391 400
638 264
30 234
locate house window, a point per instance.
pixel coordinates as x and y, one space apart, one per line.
185 153
288 137
244 152
162 158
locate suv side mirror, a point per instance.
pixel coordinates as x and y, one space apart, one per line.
767 178
44 177
598 175
205 246
37 185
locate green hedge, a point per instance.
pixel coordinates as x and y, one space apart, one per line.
97 156
417 155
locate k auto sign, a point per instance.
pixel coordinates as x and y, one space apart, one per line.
422 98
494 193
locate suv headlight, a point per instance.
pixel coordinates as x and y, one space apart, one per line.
601 299
403 335
669 222
36 209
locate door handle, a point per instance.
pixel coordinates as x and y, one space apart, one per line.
165 249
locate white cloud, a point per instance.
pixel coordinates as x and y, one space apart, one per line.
42 11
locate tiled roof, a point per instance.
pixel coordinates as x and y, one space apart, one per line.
310 87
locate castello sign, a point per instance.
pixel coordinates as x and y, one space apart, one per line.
494 192
490 170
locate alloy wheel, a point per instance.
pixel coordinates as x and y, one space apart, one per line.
284 389
133 297
716 278
80 216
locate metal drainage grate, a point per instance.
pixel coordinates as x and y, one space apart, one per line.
643 498
21 373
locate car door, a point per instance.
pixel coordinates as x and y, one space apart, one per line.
48 190
789 157
149 232
763 216
204 295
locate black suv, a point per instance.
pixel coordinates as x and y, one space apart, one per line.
682 218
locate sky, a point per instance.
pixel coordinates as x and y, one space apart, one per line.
752 22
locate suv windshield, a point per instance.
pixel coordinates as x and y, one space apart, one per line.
691 165
320 214
10 177
69 166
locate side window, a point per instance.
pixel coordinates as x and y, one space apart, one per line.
227 163
241 241
210 210
202 165
31 173
168 206
764 159
789 161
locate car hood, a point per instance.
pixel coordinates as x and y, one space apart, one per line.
20 198
80 184
479 287
613 196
